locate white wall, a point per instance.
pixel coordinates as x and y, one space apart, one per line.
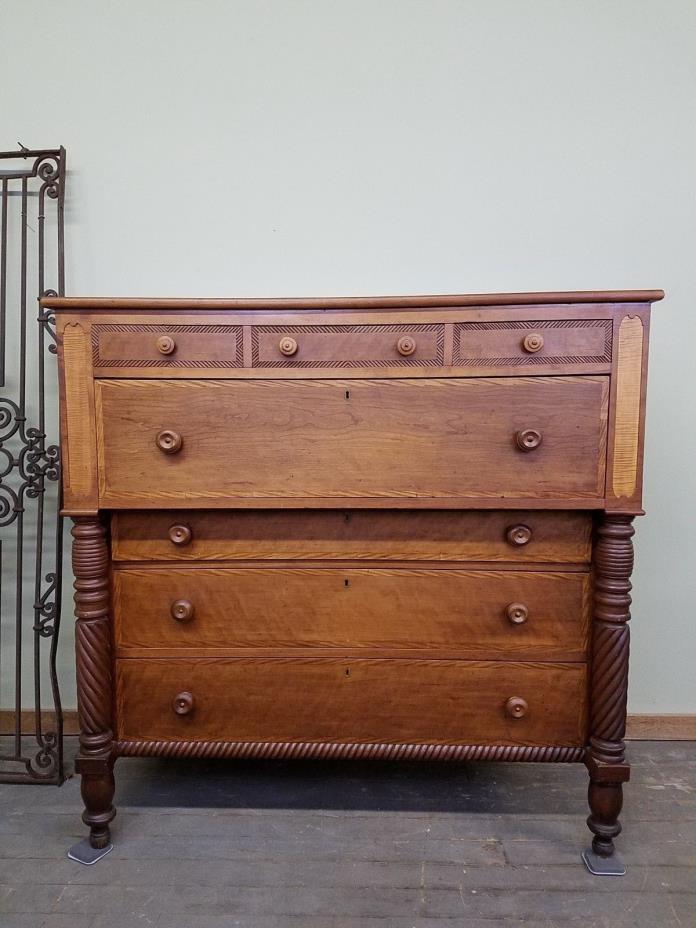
315 147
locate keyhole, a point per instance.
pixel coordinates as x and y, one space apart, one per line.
347 394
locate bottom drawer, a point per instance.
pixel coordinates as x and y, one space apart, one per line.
343 700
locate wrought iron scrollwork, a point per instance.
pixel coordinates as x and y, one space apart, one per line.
31 543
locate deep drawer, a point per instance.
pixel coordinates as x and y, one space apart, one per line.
330 534
187 442
342 700
478 614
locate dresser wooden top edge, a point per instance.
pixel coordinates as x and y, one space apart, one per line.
129 304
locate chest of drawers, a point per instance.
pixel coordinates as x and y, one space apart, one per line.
388 527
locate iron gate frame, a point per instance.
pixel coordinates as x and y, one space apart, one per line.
32 462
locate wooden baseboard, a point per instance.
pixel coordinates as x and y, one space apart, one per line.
638 727
669 727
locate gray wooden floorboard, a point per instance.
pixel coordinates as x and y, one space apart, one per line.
277 845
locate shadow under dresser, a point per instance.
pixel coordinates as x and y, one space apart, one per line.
393 527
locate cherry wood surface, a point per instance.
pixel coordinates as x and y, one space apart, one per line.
521 614
324 699
360 535
342 439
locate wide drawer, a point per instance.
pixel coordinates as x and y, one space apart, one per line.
165 347
343 700
225 441
479 614
330 534
306 347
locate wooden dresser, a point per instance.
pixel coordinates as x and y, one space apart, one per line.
380 527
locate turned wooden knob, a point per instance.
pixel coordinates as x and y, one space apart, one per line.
180 534
169 441
515 707
517 613
518 535
287 346
528 439
182 610
406 345
166 344
532 342
182 703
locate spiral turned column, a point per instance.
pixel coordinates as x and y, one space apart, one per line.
606 762
90 561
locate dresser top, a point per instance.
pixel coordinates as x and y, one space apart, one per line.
129 304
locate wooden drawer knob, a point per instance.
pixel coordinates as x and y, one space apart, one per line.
518 535
533 342
169 441
517 613
406 345
182 610
180 534
166 344
287 346
182 703
528 439
516 707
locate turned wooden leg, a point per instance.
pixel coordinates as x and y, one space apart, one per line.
94 684
606 762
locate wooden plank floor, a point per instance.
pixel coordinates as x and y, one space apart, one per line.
353 845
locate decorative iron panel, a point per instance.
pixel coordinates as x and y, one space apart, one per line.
32 190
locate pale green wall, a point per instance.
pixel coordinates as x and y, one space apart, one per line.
393 146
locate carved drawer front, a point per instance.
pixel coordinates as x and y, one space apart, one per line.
560 342
187 442
343 700
486 614
331 534
167 347
347 346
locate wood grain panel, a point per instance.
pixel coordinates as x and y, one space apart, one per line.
566 342
450 610
119 345
348 346
375 439
362 535
628 405
319 699
78 439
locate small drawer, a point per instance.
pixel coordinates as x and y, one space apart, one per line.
116 346
559 342
347 346
476 614
342 700
365 535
